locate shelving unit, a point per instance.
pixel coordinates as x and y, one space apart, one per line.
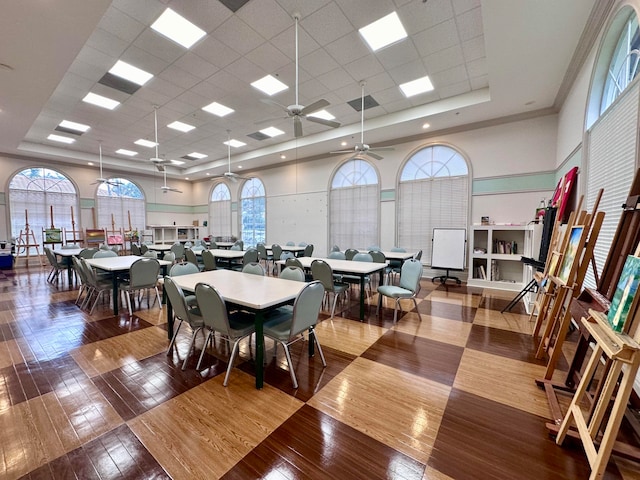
502 271
165 234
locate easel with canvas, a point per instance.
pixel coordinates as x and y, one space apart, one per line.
115 236
51 235
76 235
26 241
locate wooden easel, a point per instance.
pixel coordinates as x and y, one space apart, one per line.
621 351
115 236
76 235
27 240
51 235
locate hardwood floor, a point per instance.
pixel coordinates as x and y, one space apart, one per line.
446 393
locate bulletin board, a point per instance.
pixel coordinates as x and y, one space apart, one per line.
448 248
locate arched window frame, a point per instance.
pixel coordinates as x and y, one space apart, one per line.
437 194
117 201
354 204
220 210
253 212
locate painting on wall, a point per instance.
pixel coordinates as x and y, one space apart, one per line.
624 299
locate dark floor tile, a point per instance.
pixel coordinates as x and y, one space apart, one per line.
447 310
312 445
420 356
464 289
498 443
499 304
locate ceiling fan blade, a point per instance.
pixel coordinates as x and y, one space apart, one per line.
160 167
268 101
342 151
373 155
297 126
314 107
382 149
328 123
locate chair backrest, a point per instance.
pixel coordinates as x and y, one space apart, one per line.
375 248
105 254
213 308
262 251
293 262
292 273
213 245
89 273
398 249
377 256
322 271
135 249
254 268
198 243
188 244
350 253
144 248
70 246
183 269
302 244
337 255
308 250
276 252
250 256
88 252
286 256
418 256
78 268
306 308
362 257
410 275
51 257
290 244
176 297
190 256
150 254
335 248
169 257
144 273
240 244
209 261
178 250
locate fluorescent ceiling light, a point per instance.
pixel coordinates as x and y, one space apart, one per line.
100 101
414 87
197 155
131 73
145 143
177 28
217 109
383 32
60 138
128 153
183 127
177 162
78 127
235 143
272 131
269 85
321 114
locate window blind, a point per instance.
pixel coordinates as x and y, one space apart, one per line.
354 216
220 218
121 208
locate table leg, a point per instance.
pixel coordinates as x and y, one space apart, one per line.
69 264
259 351
169 318
115 293
362 293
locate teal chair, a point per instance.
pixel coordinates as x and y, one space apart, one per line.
182 313
350 253
104 254
354 279
233 327
253 268
409 287
321 270
209 261
293 273
186 268
288 328
394 267
143 276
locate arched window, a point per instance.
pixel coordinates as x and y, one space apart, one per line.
34 191
117 201
220 211
253 212
433 192
354 205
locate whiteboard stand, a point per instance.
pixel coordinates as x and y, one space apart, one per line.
448 252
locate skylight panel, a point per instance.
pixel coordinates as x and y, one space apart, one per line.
269 85
235 143
131 73
100 101
60 138
177 28
272 131
145 143
417 86
383 32
217 109
183 127
128 153
78 127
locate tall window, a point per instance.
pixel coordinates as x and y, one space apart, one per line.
119 200
354 206
433 193
253 212
33 192
220 211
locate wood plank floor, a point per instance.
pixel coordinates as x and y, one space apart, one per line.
446 393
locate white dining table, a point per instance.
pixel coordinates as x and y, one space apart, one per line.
254 293
159 247
66 254
117 266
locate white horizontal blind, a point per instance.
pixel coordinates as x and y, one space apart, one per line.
354 216
220 218
38 204
612 151
121 208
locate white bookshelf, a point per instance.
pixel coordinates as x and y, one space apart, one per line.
166 234
503 269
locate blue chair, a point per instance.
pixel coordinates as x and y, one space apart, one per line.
409 287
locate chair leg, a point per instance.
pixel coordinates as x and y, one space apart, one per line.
128 297
191 343
333 308
415 303
95 302
173 339
158 298
294 380
395 310
204 348
312 332
231 359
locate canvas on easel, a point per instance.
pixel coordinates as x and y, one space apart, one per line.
625 298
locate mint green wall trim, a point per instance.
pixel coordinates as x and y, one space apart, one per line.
515 183
574 160
87 203
234 206
201 209
163 207
387 195
3 200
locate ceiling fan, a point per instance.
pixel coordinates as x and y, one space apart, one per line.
297 111
101 179
156 160
165 188
234 177
362 148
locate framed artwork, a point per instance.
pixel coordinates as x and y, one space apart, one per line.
114 240
95 236
624 299
52 235
570 253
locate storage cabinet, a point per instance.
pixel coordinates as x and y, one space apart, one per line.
495 252
167 234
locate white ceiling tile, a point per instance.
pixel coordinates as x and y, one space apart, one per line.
95 58
159 46
303 8
218 83
349 92
363 12
446 77
205 15
364 67
424 98
107 43
419 16
454 89
121 25
479 82
238 35
378 82
469 24
286 43
268 16
152 96
318 62
474 49
461 6
314 87
336 79
439 37
348 48
444 59
139 58
478 68
327 24
245 71
398 105
196 65
145 11
215 52
397 54
408 71
165 87
268 57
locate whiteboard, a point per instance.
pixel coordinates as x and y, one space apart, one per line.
448 249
